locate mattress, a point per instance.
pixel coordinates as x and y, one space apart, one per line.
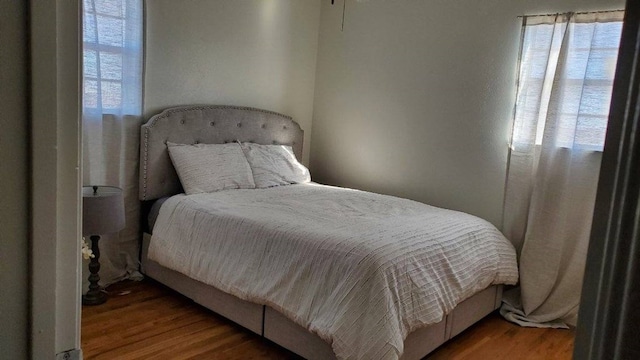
360 270
154 212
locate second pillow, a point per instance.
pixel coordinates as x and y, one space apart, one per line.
274 165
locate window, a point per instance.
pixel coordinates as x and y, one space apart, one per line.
566 73
112 51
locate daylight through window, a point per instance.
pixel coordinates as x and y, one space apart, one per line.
112 52
566 73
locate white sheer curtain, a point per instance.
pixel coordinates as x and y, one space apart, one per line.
112 106
566 77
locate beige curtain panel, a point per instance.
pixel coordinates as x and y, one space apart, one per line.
565 81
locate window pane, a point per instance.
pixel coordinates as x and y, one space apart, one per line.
90 94
591 131
570 95
602 64
89 29
90 63
110 66
110 30
109 7
111 94
595 100
608 35
576 63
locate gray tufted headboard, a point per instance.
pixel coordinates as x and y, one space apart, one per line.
207 124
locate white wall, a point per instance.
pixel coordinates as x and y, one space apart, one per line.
415 98
259 53
14 181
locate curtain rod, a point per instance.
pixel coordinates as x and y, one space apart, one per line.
577 13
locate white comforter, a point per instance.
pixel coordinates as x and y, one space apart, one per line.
359 269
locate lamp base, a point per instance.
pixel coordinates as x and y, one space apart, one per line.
95 295
95 298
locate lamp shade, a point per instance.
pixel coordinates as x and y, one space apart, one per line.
102 210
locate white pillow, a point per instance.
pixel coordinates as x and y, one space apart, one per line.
204 168
274 165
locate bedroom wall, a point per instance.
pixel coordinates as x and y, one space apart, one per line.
14 180
415 98
251 53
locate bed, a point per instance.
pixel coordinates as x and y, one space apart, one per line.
307 287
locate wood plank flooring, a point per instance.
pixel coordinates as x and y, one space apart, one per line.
146 320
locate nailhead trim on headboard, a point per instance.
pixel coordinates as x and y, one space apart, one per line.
144 162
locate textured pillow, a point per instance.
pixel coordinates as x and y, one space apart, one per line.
274 165
206 168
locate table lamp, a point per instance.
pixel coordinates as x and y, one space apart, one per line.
102 213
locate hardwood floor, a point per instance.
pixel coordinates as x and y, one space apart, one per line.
145 320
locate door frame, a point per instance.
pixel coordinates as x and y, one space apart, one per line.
55 306
609 319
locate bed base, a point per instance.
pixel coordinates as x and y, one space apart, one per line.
274 326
